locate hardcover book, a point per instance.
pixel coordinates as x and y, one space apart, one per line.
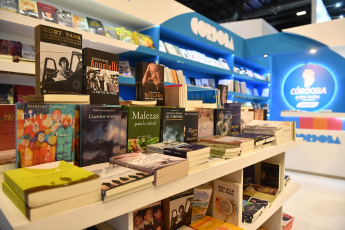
6 94
58 61
205 122
143 126
44 133
7 141
172 124
223 94
28 8
235 109
123 141
191 126
46 13
100 129
80 23
148 217
222 122
201 200
100 76
64 18
178 210
22 90
95 26
211 223
109 31
9 5
149 82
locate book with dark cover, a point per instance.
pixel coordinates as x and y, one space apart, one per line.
64 18
205 122
125 68
22 90
149 82
6 94
46 12
186 150
95 26
255 200
28 8
148 217
223 94
58 61
191 126
44 133
177 210
7 141
270 174
259 139
123 143
222 122
100 128
251 211
143 126
76 143
100 76
235 109
248 176
9 5
12 48
172 123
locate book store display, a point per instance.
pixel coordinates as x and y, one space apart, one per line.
117 130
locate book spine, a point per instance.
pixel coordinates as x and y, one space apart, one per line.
171 152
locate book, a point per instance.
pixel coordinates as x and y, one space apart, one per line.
251 211
259 139
100 76
235 109
164 167
177 210
20 91
44 185
100 129
28 8
7 141
223 94
148 217
109 31
211 223
95 26
59 98
261 192
143 40
44 133
143 126
56 47
6 94
46 12
244 143
64 18
227 196
191 126
201 200
123 132
287 221
248 175
172 124
117 179
179 149
77 135
124 35
138 103
9 5
222 122
80 23
271 175
162 47
28 52
149 84
11 48
205 122
124 68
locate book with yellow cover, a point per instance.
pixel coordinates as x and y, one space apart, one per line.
124 35
210 223
41 186
143 40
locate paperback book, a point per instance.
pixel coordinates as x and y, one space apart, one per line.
64 18
46 12
58 63
235 109
179 149
222 122
172 124
11 6
148 217
201 200
205 122
28 8
109 31
7 141
80 23
191 126
95 26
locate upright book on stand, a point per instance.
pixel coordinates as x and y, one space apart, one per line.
172 124
191 126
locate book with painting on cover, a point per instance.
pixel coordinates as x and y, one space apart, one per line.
191 126
6 94
148 217
80 23
9 5
46 12
109 31
201 200
28 8
64 18
211 223
100 129
235 109
100 76
7 141
58 61
48 183
172 124
95 26
205 122
222 122
44 133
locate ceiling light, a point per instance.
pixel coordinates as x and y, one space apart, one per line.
312 51
341 16
300 13
337 5
265 55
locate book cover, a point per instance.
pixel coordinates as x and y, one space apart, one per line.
9 5
211 223
124 35
143 126
172 124
12 48
7 141
28 51
201 200
109 31
251 211
205 122
22 90
149 82
95 26
41 186
76 140
124 68
44 133
227 196
58 63
178 210
222 122
162 47
46 12
123 141
28 8
80 23
287 221
6 94
100 129
223 94
179 149
64 18
191 126
100 76
148 217
248 175
270 174
143 40
235 109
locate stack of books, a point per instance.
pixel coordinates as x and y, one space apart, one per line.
252 208
287 221
208 222
48 189
260 140
222 151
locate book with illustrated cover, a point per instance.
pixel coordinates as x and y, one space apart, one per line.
177 210
28 52
143 126
205 122
149 82
7 141
148 217
172 124
58 61
123 141
251 211
9 5
20 91
124 35
28 8
64 18
80 23
11 48
222 122
100 76
100 129
6 94
46 12
223 94
191 126
95 26
143 40
109 31
44 133
235 109
125 68
211 223
201 200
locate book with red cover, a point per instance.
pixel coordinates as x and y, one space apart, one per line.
22 90
46 12
7 141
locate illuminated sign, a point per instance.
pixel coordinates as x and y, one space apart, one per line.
309 87
321 138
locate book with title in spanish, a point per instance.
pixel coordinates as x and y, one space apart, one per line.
172 124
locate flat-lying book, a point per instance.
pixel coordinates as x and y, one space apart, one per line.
143 103
207 223
59 98
179 149
244 143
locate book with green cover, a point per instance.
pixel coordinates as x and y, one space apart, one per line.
42 186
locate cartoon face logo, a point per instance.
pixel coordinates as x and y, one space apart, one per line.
309 77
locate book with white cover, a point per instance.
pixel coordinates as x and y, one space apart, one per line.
162 47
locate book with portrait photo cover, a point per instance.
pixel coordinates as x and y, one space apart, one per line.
95 26
46 12
58 61
148 217
64 18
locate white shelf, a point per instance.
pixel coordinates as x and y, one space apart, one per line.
310 114
11 218
17 68
288 192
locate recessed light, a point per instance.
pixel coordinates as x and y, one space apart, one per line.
265 55
341 16
337 5
312 51
300 13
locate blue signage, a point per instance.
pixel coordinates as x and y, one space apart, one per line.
322 138
309 87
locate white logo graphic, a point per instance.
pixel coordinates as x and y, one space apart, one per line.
309 77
